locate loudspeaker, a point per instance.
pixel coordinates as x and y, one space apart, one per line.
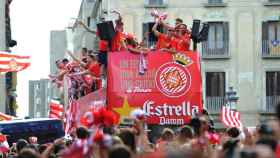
106 30
12 43
195 29
203 34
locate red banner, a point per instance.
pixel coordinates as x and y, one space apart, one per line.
169 91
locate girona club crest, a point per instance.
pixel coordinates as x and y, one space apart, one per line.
173 78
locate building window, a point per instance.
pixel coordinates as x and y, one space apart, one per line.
218 38
215 1
215 90
88 21
272 90
149 38
155 3
271 38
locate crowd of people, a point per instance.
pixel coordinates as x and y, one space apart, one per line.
106 139
198 139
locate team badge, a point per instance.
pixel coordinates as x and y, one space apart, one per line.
173 78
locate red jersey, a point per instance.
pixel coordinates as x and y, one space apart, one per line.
103 45
163 41
94 68
116 42
184 43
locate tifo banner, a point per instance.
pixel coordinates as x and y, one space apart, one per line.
169 91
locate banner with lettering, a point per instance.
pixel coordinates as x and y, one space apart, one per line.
169 91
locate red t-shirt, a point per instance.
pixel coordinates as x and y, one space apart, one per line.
94 68
184 43
173 43
116 42
103 45
163 41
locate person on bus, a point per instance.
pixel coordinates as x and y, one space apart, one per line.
61 66
178 21
103 48
165 41
183 37
91 67
118 42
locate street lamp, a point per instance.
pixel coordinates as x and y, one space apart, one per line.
231 98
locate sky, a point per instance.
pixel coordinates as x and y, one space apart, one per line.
31 23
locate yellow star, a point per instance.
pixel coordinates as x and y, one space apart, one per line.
125 109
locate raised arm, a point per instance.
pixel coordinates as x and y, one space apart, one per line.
76 59
166 25
138 50
84 73
154 29
118 13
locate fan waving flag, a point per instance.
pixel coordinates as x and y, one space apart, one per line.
56 109
13 63
230 118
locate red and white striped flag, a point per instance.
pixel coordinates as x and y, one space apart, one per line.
56 109
71 116
230 118
13 63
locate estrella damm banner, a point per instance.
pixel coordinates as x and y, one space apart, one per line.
169 90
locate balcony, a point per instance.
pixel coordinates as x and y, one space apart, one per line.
271 102
270 49
219 49
214 104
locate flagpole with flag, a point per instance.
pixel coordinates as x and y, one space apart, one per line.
230 117
10 62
